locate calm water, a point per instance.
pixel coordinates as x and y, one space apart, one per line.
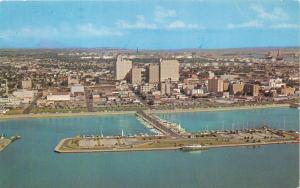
31 162
281 118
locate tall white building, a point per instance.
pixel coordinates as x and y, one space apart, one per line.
122 68
136 75
153 73
169 69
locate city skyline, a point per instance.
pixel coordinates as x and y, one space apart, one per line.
149 25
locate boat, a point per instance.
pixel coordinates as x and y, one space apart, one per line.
192 147
13 138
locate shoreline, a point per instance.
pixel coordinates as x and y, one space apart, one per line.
83 114
213 109
61 115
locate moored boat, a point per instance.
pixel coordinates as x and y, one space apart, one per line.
193 147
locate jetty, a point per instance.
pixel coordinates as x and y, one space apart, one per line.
163 127
4 142
174 141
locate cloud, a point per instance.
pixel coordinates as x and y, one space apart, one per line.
93 31
64 31
275 19
276 14
140 23
161 13
159 22
41 32
182 25
285 26
249 24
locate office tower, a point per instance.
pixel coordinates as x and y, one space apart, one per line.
165 87
136 75
215 85
153 73
122 68
251 89
169 69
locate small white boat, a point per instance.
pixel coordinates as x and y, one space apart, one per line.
192 147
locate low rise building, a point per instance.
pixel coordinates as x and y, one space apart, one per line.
26 96
59 97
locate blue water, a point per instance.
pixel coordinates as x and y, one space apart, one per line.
31 162
282 118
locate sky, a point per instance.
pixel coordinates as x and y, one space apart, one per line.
149 24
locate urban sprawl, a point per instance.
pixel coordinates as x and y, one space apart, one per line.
91 80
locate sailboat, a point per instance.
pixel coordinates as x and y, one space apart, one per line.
223 126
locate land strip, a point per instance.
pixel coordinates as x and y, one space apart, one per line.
49 115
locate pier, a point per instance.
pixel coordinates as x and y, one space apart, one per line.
4 142
196 141
162 126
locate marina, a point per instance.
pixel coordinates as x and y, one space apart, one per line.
171 136
278 162
161 126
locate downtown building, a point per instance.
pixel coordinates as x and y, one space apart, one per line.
215 85
136 75
153 73
122 68
169 69
251 89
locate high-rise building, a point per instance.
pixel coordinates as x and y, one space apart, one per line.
136 75
165 87
251 89
225 86
153 73
169 69
236 88
122 68
27 84
215 85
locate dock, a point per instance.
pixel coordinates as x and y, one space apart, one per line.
162 126
196 141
